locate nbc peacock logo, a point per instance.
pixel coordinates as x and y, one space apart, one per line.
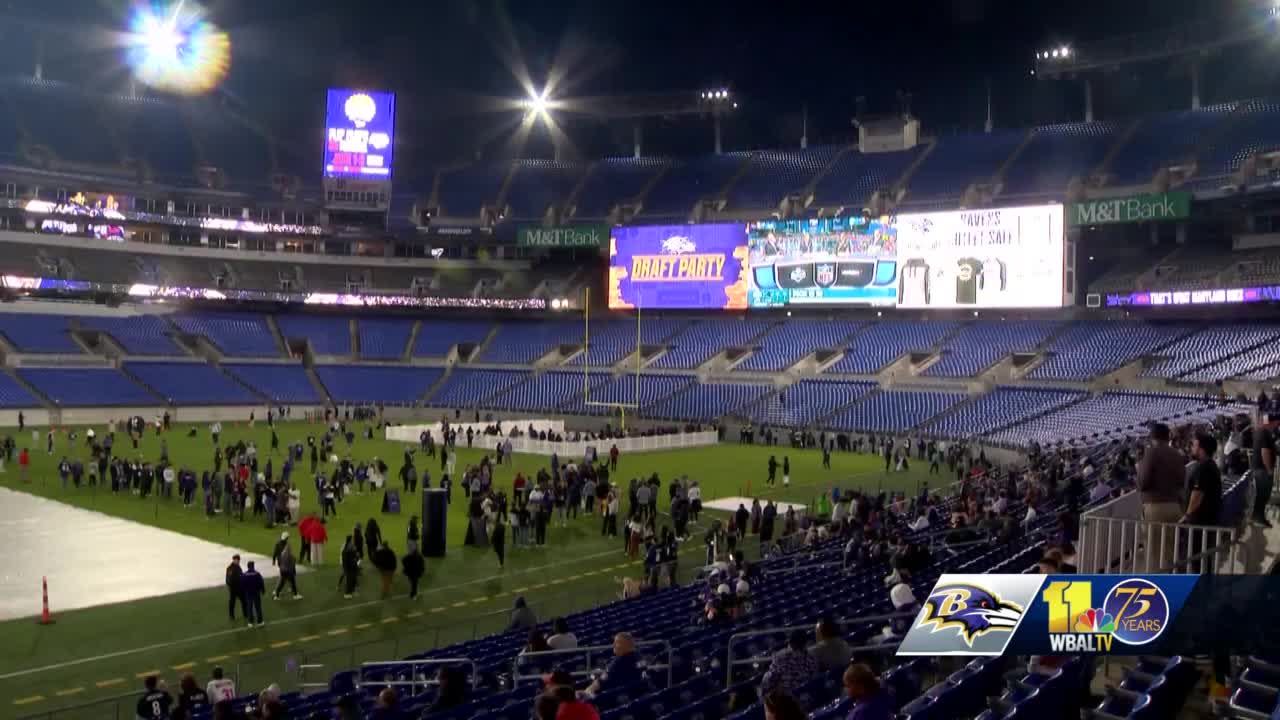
1095 620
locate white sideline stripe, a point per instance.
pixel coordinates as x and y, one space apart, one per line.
286 621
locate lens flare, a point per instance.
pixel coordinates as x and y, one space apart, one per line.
175 49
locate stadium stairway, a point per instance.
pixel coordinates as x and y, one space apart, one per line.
998 179
40 397
809 192
281 345
1098 178
898 190
413 342
238 381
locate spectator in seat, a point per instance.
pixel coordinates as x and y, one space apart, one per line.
781 705
453 690
623 671
571 707
562 638
870 700
155 701
191 698
831 652
220 688
522 615
792 666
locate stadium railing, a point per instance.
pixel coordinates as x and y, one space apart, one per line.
757 661
416 680
585 654
1115 539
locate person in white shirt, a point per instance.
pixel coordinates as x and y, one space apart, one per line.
220 688
169 476
562 638
920 523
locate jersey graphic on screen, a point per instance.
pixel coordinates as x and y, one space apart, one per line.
968 272
992 281
914 289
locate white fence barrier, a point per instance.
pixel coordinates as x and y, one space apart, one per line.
648 443
411 433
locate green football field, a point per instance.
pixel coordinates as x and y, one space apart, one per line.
103 652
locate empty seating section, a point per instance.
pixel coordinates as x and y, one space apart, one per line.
791 341
463 191
855 176
544 391
377 383
613 340
45 334
1098 417
190 383
136 334
1000 408
893 411
278 382
525 342
540 184
1088 348
807 402
468 387
685 183
87 387
882 343
1252 130
1162 140
959 161
705 401
13 395
328 335
624 389
1213 345
613 181
384 338
774 174
238 335
1056 155
702 340
978 346
437 337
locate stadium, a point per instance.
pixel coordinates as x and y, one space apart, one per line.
897 424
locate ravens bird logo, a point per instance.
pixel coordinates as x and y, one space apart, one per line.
974 611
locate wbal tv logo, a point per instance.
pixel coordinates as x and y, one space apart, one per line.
1134 612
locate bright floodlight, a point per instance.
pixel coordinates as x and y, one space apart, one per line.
1066 51
177 49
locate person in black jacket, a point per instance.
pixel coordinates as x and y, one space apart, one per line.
233 576
251 588
414 566
350 568
385 560
372 535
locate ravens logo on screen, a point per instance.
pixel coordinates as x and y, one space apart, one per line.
972 610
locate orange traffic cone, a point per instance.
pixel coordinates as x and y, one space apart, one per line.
45 617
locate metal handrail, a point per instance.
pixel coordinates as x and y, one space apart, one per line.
517 676
731 663
413 682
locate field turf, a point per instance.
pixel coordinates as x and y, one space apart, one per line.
103 652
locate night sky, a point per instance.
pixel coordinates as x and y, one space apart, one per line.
449 59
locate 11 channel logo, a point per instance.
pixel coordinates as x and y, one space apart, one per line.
1135 612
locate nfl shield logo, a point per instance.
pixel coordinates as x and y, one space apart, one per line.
825 274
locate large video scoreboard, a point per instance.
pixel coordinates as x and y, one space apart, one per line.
987 258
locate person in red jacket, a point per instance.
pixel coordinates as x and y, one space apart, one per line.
24 464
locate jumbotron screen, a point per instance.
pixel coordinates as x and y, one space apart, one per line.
678 267
359 134
988 258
